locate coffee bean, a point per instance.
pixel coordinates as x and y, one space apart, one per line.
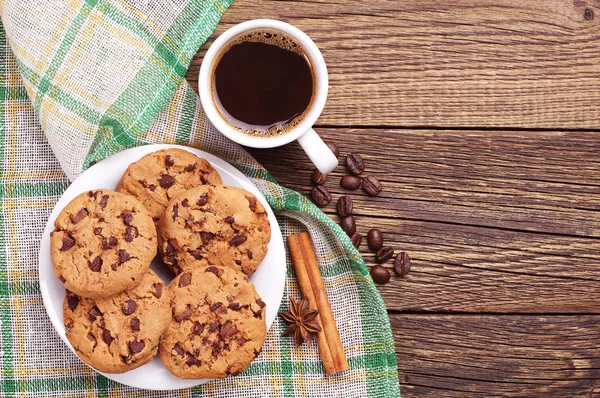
384 254
80 215
96 264
348 225
355 163
67 243
350 182
402 264
375 239
380 274
344 206
136 346
128 307
356 240
321 195
166 181
333 148
185 279
134 324
372 185
319 178
237 240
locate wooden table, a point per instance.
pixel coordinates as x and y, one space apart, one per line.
482 120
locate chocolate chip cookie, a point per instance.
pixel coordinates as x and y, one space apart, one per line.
217 326
120 333
160 176
102 243
214 225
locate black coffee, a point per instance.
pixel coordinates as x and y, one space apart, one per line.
263 83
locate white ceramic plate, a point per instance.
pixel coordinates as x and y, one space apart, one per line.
269 278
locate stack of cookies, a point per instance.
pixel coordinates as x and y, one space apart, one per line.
209 321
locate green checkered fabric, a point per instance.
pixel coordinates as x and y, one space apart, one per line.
82 80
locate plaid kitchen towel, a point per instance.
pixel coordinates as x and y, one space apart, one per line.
87 79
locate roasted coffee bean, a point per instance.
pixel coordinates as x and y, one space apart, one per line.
384 254
333 148
380 274
319 178
350 182
402 264
372 185
355 163
375 239
356 240
348 224
321 195
128 307
344 206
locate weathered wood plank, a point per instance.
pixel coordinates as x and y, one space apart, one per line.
511 356
482 63
493 222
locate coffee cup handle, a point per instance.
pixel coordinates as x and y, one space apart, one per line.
318 152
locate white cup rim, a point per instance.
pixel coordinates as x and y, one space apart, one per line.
215 117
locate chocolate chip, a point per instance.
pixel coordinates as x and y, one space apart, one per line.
103 201
93 314
158 288
260 303
96 264
175 211
169 161
190 167
241 341
114 266
107 337
101 219
238 262
134 324
93 194
185 203
197 254
236 373
166 181
80 215
130 234
252 202
216 346
214 270
227 330
249 254
202 200
73 302
235 306
185 279
192 360
127 218
143 183
152 187
214 306
124 256
109 243
237 240
186 314
97 230
67 243
203 179
198 328
229 219
169 248
213 327
91 337
62 279
207 237
128 307
178 350
136 346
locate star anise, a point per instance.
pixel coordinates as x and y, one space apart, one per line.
302 320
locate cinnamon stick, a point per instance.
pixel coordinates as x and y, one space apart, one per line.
311 282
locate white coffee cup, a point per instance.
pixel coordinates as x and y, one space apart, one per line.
312 144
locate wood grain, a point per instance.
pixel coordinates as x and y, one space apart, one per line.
510 356
477 63
494 221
